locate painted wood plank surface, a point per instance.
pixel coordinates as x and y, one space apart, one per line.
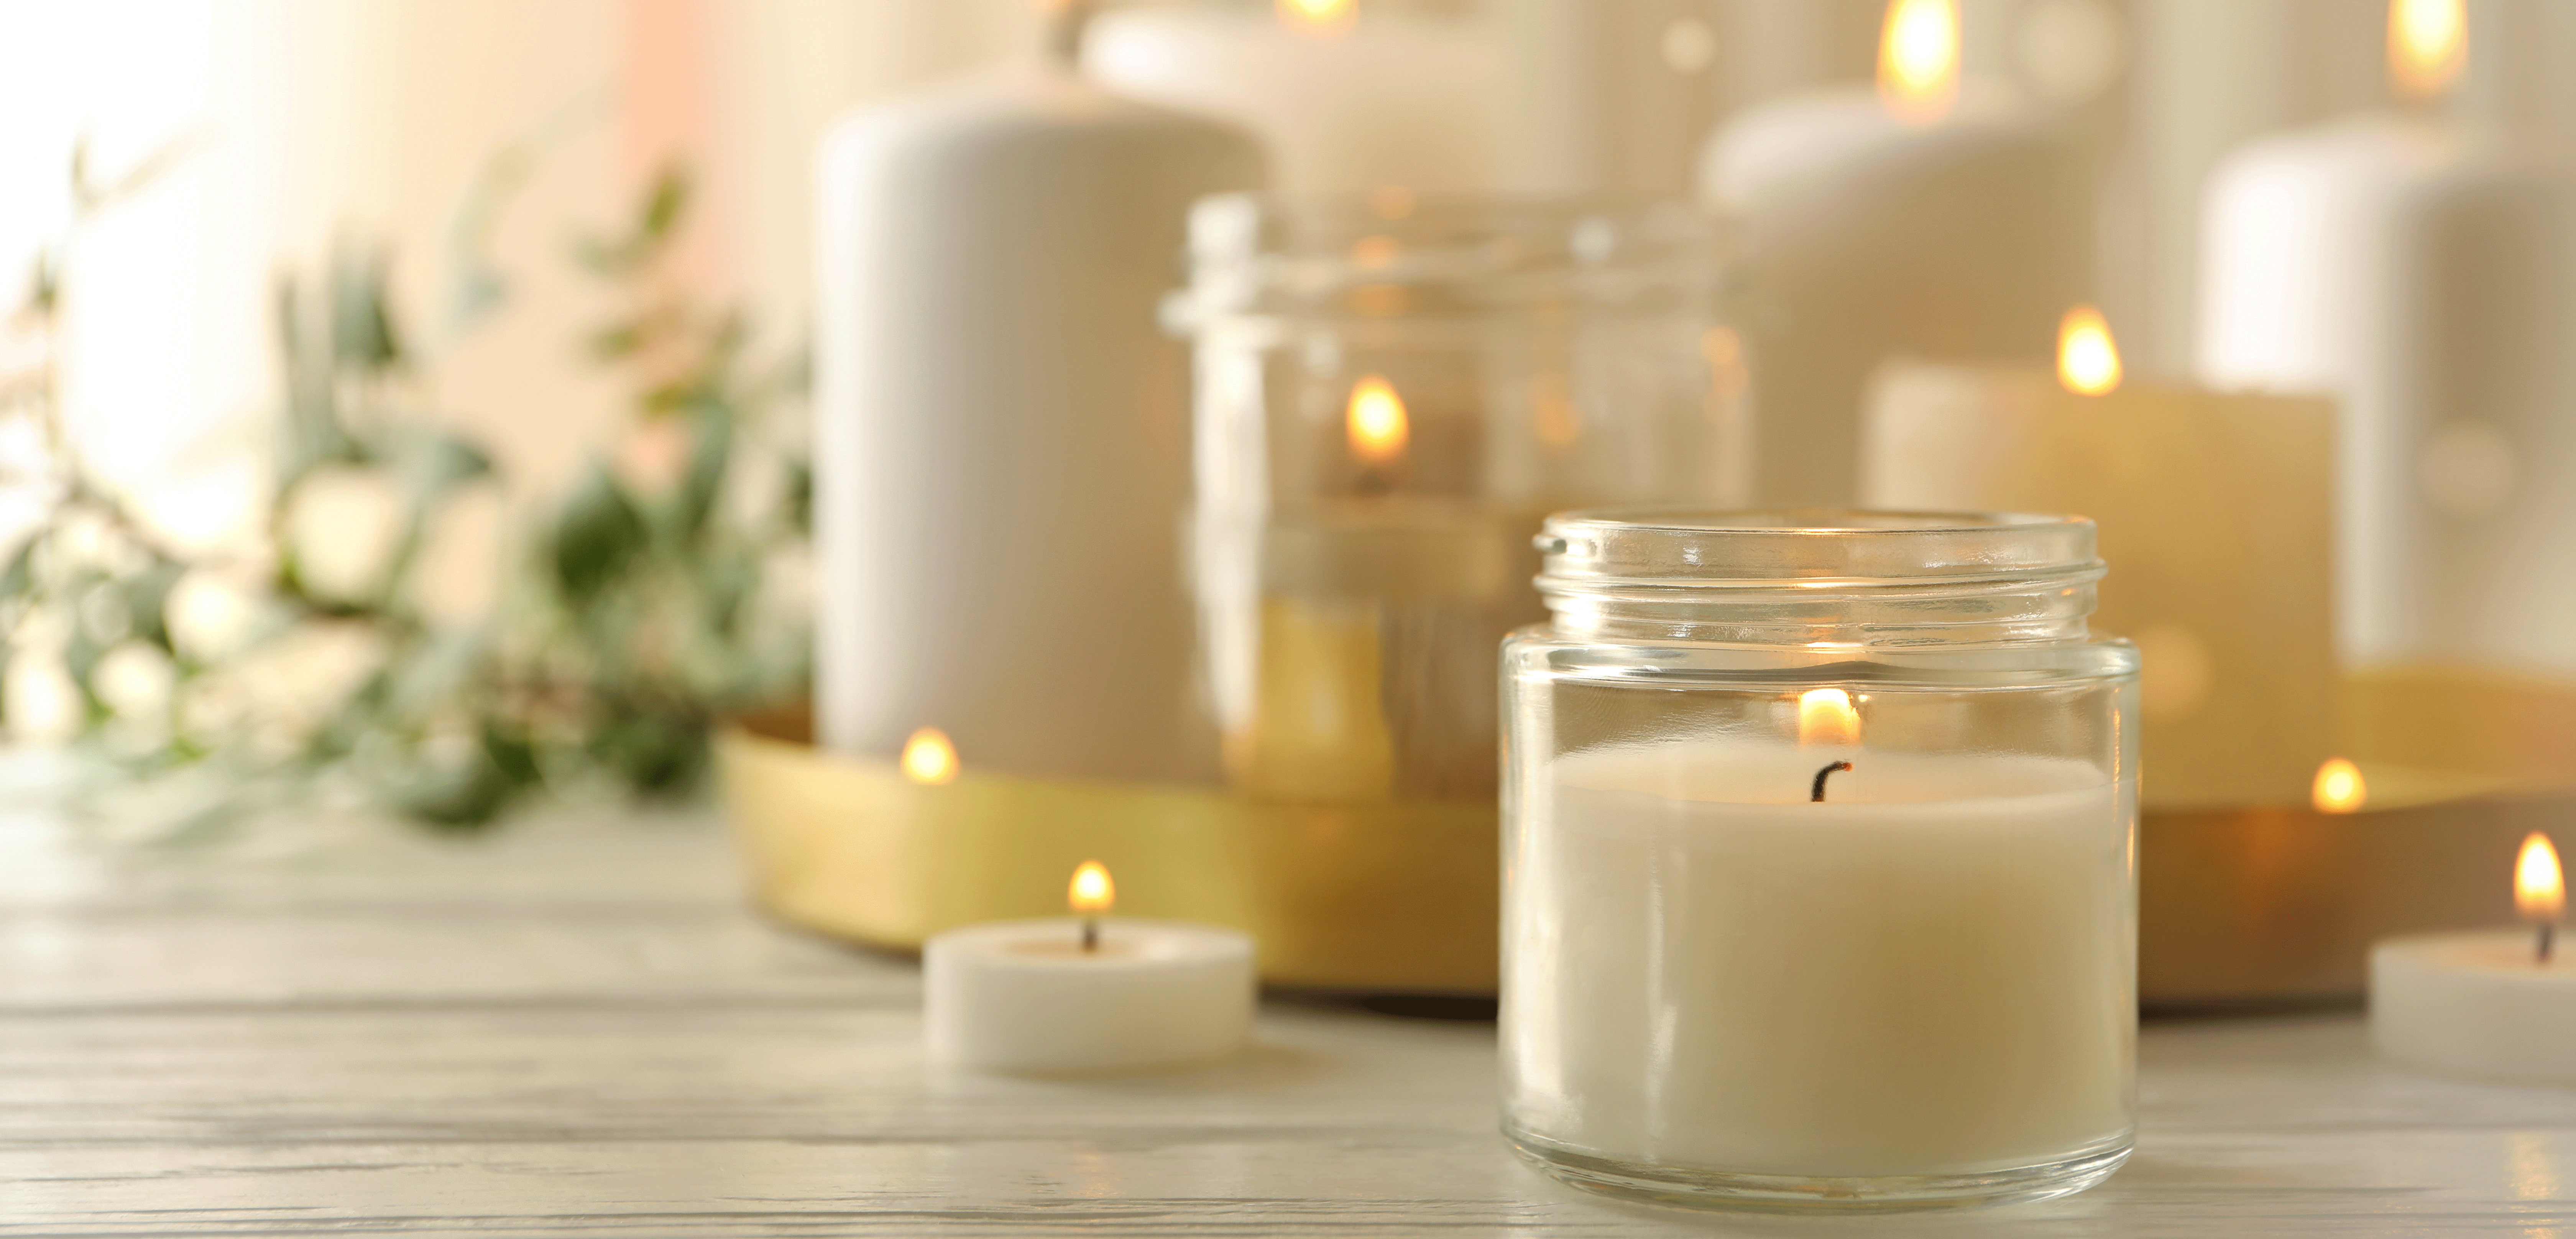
579 1029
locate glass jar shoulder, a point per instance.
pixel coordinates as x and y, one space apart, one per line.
1540 653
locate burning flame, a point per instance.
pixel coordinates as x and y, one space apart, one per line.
928 757
2539 892
2338 788
2088 363
1091 892
1377 423
1825 716
1318 16
2428 43
1918 59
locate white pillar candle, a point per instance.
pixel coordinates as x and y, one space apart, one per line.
1347 97
2419 273
1085 993
2234 713
2494 1006
1927 973
1002 443
1885 223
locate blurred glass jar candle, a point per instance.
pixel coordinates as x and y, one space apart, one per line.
1818 886
1086 994
1391 390
2496 1005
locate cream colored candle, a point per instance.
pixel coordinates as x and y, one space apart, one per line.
1002 438
2419 273
2491 1006
2211 508
1929 973
1916 220
1347 96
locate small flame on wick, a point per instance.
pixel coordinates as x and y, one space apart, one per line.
2088 362
1826 716
2428 45
1091 892
1376 422
2539 889
1318 16
928 758
2339 787
1918 59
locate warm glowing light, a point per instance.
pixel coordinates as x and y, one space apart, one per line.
929 758
2539 891
2088 363
1825 716
1318 16
1377 422
2428 43
1918 59
1091 892
2339 788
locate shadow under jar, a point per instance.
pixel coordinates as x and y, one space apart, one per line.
1819 888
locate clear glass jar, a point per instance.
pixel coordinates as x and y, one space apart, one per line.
1819 881
1391 391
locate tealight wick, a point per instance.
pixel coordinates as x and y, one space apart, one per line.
1819 794
1091 894
2548 932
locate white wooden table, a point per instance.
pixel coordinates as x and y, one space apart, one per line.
579 1029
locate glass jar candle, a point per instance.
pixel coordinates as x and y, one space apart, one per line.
1391 391
1818 860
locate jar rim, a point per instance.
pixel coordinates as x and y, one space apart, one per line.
1593 549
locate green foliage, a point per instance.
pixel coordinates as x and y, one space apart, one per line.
641 608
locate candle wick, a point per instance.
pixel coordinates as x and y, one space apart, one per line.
1090 934
1819 793
2548 932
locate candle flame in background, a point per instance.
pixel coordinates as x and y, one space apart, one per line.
1091 892
1918 59
1318 16
928 757
1826 716
2428 44
1376 421
2088 362
2339 788
2539 890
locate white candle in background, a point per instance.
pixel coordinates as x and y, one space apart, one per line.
2492 1006
1347 96
1914 976
1609 96
1086 993
1002 443
1919 219
2419 273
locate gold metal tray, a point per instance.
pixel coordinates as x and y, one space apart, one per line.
2237 906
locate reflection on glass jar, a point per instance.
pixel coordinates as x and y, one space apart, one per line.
1391 392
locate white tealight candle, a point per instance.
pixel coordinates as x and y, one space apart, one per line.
2496 1006
1084 994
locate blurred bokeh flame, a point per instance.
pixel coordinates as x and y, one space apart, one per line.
2539 889
1091 892
1826 717
928 757
1377 422
2339 787
2428 44
1318 16
2088 361
1918 59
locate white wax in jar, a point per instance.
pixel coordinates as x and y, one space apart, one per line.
2480 1005
1024 996
1932 972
